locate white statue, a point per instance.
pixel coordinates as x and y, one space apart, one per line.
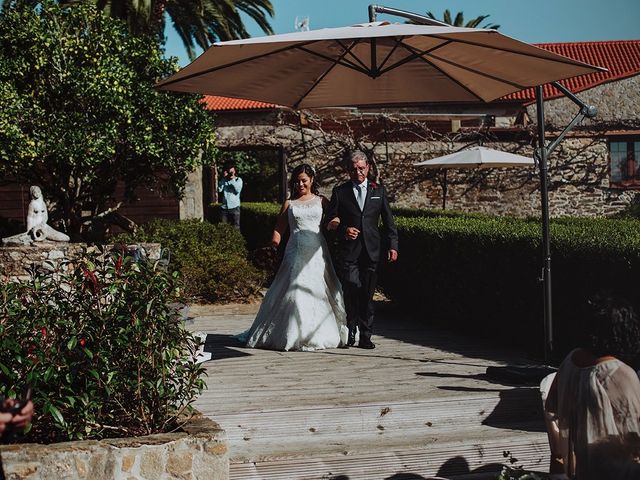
37 211
37 228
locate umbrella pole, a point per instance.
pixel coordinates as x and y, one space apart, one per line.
375 9
546 244
444 191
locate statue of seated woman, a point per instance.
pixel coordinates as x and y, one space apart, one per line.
37 218
38 229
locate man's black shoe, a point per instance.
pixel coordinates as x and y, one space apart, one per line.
351 341
368 344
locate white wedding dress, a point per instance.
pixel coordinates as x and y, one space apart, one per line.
304 308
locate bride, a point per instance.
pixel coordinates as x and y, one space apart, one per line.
304 308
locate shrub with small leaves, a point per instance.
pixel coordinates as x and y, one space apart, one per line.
103 349
212 259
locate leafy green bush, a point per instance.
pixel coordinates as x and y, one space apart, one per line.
104 351
632 210
259 219
211 258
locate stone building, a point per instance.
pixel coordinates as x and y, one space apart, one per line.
595 171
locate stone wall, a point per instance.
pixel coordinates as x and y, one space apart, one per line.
198 452
617 101
579 168
15 262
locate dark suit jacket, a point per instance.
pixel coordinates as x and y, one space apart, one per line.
343 205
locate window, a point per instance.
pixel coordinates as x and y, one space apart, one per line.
625 161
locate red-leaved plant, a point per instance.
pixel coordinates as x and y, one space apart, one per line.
102 347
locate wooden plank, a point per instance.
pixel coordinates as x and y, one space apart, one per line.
482 457
419 400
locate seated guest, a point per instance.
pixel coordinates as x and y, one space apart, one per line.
592 408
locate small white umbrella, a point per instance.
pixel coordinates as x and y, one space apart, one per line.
475 157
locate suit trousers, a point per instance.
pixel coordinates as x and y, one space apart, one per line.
358 279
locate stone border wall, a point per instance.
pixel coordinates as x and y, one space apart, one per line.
15 262
198 452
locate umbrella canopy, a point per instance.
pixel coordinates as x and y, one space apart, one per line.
376 63
474 157
477 157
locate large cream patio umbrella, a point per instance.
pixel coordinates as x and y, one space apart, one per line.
379 63
474 157
376 63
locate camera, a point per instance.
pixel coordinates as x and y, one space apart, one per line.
17 407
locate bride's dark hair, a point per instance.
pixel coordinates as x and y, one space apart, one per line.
309 170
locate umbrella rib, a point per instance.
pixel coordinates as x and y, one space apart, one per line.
413 56
386 59
232 64
469 69
339 61
509 50
324 74
463 67
411 49
348 50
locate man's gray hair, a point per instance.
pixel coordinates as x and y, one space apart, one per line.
357 155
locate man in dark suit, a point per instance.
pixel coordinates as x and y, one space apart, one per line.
354 211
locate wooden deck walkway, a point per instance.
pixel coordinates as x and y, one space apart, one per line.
419 406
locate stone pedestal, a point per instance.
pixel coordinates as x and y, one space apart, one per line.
16 261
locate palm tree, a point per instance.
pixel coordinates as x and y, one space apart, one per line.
202 22
459 20
198 22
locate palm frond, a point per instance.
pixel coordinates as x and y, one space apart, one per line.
447 17
476 21
459 21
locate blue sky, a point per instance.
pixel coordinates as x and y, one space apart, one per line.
534 21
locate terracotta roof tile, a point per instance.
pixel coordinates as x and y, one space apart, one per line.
213 102
620 57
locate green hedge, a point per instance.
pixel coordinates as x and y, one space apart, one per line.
212 259
433 213
480 274
257 221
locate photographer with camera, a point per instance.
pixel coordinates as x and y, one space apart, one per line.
230 186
